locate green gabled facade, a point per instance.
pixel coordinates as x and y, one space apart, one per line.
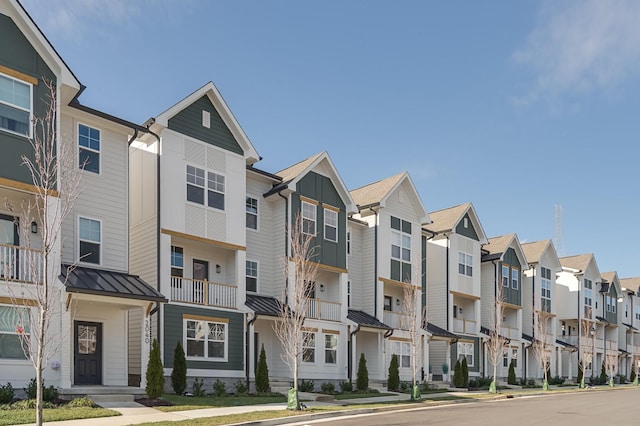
319 188
20 61
511 295
469 231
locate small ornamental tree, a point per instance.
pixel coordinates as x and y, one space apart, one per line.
393 382
262 373
457 375
179 373
512 374
465 373
155 373
632 376
580 373
362 381
603 374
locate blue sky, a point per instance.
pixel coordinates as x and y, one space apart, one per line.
514 106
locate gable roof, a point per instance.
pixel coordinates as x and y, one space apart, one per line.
578 262
376 194
497 246
211 91
632 284
446 220
534 250
293 174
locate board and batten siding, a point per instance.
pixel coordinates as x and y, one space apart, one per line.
354 265
174 333
488 294
437 297
369 278
103 196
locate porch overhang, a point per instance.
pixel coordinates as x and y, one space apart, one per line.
366 321
101 282
566 346
439 333
264 305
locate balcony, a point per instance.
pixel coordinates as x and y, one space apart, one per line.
461 325
324 310
510 333
396 320
611 345
20 264
202 292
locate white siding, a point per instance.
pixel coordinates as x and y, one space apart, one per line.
437 297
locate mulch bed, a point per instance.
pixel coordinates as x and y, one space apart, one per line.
154 402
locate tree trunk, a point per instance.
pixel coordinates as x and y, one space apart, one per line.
39 361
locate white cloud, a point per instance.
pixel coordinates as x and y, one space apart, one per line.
580 46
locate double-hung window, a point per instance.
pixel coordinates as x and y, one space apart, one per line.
89 240
545 289
15 106
309 214
330 225
465 264
510 355
588 297
330 348
515 277
14 325
637 312
252 212
206 339
213 185
403 351
308 346
88 148
400 250
465 350
505 276
177 261
251 275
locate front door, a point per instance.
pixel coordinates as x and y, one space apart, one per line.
8 242
200 270
88 353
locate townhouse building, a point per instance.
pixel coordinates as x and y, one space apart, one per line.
98 310
629 326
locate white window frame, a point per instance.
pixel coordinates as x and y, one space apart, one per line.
403 351
78 240
13 331
328 348
466 349
252 213
545 288
348 293
309 216
247 275
308 344
330 222
20 108
506 277
219 186
588 296
206 322
82 147
203 180
175 265
515 278
465 261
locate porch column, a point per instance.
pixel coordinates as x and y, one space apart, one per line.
145 344
66 347
570 366
381 354
354 356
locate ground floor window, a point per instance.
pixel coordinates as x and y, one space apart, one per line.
308 347
14 322
466 350
403 351
330 348
510 354
206 339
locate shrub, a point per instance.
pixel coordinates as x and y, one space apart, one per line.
179 372
457 375
262 373
306 386
580 373
480 382
465 373
155 373
241 388
362 381
6 394
557 380
198 388
346 387
81 402
48 394
632 376
511 379
219 388
328 388
603 375
30 404
31 389
393 381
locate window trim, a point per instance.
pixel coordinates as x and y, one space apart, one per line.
306 219
515 280
80 147
11 105
465 353
397 348
467 264
306 347
185 340
79 218
256 214
172 257
14 332
257 263
327 212
205 187
328 349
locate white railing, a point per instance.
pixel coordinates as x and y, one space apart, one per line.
203 292
611 345
396 320
461 325
511 333
324 310
21 264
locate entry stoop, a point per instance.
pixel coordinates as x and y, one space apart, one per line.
105 396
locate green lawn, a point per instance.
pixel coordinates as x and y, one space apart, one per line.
16 417
182 403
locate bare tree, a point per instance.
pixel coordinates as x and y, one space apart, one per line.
635 358
56 186
497 342
300 274
586 346
412 320
611 364
541 346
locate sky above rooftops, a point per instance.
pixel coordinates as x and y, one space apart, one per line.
514 106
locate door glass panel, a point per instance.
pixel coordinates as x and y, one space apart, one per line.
200 270
87 339
7 231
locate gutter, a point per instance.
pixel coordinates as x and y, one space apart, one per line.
247 347
375 263
350 353
286 244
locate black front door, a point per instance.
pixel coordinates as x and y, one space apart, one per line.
8 241
88 353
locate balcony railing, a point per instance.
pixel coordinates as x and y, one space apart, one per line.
21 264
324 310
611 345
461 325
510 333
396 320
203 292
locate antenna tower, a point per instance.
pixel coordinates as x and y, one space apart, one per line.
558 234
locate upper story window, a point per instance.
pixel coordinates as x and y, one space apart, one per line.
88 148
251 273
15 106
400 249
588 297
309 214
545 289
515 277
213 185
637 312
177 261
89 240
610 303
330 225
465 264
252 213
505 276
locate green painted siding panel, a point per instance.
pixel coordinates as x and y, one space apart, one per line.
189 122
321 189
174 330
468 232
475 368
17 53
612 317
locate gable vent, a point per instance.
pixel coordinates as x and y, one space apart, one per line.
206 119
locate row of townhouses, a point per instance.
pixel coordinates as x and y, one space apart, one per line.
178 235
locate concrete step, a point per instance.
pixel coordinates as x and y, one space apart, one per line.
111 398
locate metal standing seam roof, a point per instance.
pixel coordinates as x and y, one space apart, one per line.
101 282
364 319
263 305
440 332
565 344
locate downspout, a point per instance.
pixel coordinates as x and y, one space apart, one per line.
533 320
286 244
350 353
247 347
447 280
375 265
